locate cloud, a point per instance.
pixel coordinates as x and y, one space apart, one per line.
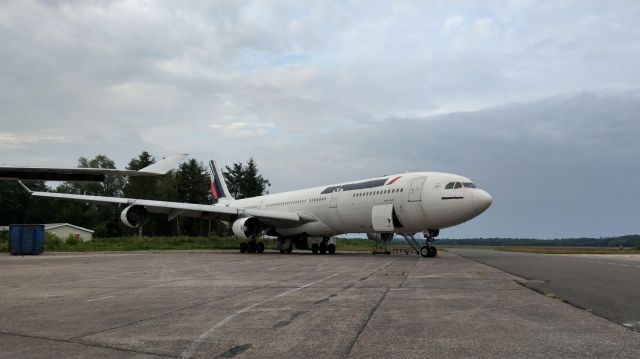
243 129
336 91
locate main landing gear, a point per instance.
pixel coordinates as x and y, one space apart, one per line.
324 247
251 247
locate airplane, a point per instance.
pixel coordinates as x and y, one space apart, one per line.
405 204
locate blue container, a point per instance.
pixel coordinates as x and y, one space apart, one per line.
26 239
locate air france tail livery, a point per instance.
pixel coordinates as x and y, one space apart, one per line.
307 219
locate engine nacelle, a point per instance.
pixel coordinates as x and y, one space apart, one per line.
134 216
380 237
247 228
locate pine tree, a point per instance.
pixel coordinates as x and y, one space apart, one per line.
245 181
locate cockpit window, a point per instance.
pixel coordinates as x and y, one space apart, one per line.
458 185
449 185
468 185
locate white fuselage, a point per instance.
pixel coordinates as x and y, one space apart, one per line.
409 202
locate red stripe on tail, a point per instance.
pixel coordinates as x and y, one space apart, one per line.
213 191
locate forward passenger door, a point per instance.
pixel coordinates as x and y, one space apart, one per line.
415 191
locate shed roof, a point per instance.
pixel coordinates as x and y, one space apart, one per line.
56 225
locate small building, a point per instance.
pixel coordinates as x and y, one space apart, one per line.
64 230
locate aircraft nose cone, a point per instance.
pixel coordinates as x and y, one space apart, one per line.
482 200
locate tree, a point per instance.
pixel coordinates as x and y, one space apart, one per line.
17 206
193 183
192 187
245 181
112 186
104 219
141 187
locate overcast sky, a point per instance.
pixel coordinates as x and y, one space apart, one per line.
537 102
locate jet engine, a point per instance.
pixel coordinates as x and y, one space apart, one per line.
247 228
134 216
380 237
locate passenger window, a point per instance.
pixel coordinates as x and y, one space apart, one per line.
449 185
458 185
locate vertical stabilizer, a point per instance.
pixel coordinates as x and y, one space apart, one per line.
218 185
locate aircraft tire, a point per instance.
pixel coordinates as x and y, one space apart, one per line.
331 248
425 252
290 249
434 251
323 248
315 248
260 248
243 247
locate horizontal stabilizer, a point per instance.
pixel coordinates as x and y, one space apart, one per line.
85 174
165 165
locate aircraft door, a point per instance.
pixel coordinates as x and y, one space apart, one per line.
415 192
382 217
333 199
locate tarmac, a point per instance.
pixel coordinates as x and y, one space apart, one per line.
607 285
209 304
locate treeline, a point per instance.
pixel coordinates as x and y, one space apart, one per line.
624 241
189 183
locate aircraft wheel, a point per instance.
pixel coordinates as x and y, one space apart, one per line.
425 252
243 247
323 248
290 249
315 248
282 251
331 248
434 251
252 247
260 248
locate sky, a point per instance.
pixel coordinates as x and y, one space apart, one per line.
538 102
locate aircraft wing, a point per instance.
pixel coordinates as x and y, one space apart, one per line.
174 209
85 174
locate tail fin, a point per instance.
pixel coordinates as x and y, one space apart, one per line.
218 185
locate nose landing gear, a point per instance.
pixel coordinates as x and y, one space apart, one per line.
426 250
